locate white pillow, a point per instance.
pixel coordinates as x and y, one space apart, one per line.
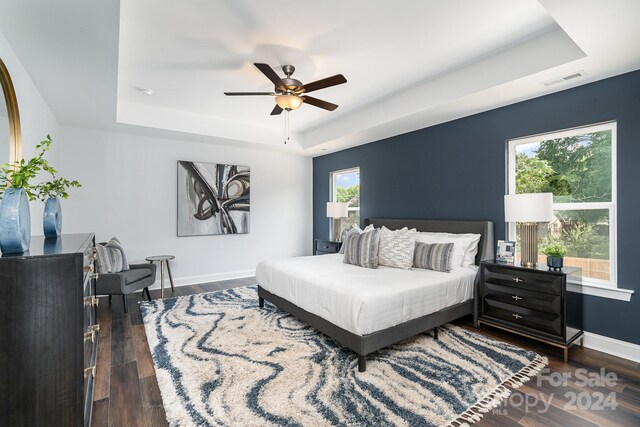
397 247
465 246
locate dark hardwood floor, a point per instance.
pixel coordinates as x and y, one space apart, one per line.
127 394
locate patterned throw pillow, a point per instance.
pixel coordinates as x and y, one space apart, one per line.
362 248
435 256
397 247
111 257
348 230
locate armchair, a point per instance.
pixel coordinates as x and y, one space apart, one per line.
139 276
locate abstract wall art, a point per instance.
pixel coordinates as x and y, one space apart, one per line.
213 198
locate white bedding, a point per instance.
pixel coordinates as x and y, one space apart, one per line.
363 300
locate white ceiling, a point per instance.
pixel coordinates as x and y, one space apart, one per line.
407 67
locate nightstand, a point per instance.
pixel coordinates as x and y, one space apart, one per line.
324 247
532 302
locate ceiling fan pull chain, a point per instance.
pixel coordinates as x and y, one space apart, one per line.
286 126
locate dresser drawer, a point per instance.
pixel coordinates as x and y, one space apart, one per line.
539 301
523 317
90 347
87 389
518 278
327 247
90 303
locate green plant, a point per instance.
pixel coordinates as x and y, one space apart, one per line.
20 173
554 249
57 187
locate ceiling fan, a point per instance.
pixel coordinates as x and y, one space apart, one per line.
291 93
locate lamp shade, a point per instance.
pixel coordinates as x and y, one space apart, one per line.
532 207
337 210
288 102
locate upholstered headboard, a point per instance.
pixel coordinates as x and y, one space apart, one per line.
486 249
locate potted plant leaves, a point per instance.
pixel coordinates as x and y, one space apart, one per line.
555 252
16 190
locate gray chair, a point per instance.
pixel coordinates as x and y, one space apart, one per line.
138 277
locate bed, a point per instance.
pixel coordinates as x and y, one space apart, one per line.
365 309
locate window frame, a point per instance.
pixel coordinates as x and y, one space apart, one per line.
610 206
334 191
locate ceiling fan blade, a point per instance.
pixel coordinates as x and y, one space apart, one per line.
276 110
271 75
248 93
319 103
338 79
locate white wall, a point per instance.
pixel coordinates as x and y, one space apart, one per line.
129 191
36 120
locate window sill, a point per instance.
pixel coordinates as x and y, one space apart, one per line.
601 291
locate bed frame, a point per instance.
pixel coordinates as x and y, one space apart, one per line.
365 344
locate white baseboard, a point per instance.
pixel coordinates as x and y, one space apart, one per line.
194 280
623 349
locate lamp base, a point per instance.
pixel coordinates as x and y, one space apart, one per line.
336 230
529 239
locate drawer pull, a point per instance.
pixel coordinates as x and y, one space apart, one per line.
94 276
518 280
88 268
92 301
90 371
516 297
326 247
91 332
517 316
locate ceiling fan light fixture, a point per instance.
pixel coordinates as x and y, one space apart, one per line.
288 101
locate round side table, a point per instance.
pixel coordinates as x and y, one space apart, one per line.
163 260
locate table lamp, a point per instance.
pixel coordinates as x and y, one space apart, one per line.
337 210
528 210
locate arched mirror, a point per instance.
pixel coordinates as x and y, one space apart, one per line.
10 143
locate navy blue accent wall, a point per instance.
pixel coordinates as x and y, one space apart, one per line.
457 170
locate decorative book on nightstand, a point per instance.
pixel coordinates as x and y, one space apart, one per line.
533 302
323 247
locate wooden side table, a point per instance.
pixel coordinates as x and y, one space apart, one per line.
163 260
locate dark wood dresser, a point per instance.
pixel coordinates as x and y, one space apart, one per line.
48 333
323 247
533 302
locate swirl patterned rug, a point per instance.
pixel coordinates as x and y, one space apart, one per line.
221 360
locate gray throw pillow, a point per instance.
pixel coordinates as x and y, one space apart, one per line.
362 249
435 256
111 257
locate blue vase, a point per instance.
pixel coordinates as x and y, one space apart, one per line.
15 221
52 220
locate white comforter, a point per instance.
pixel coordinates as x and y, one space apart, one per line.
363 300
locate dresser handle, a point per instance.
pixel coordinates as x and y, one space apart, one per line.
516 297
517 316
326 247
90 371
91 332
518 280
92 301
94 276
88 268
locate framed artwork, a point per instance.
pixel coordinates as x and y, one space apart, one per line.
506 251
213 198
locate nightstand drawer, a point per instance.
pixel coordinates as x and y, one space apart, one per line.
524 317
522 279
539 301
327 247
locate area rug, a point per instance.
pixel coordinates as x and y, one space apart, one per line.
222 360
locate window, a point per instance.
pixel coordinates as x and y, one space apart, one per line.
345 187
578 167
